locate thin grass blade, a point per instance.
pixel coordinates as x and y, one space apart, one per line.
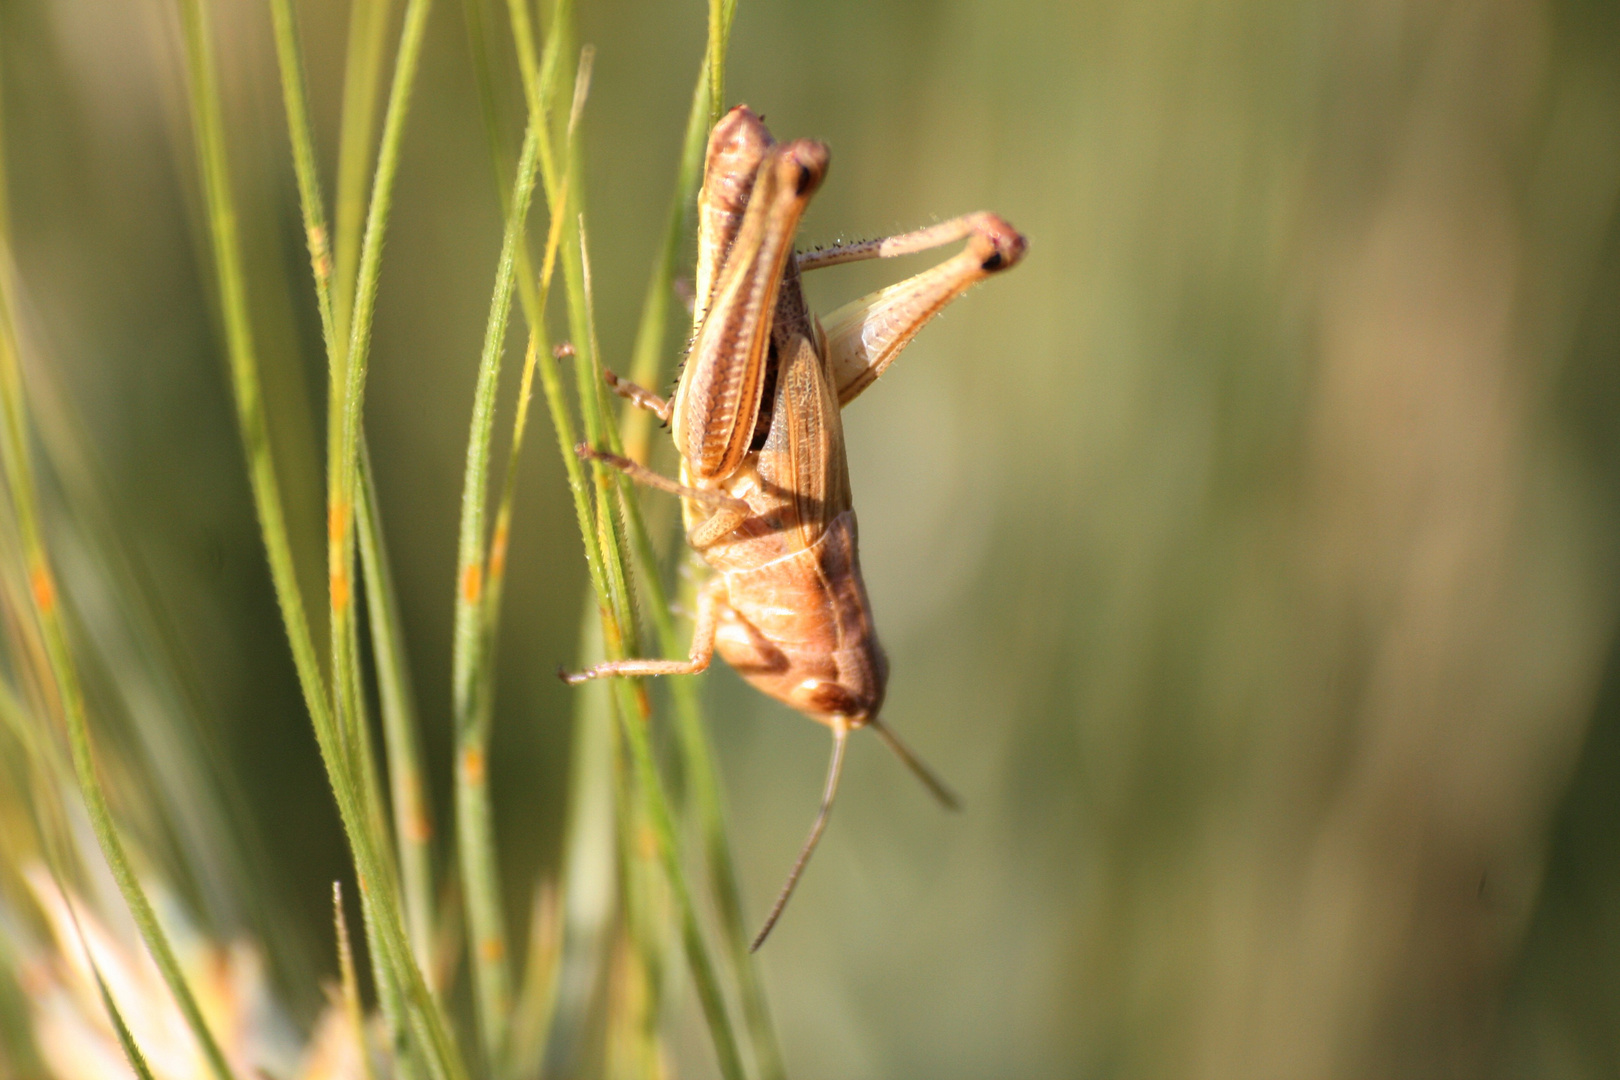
350 982
413 816
630 697
696 754
708 102
475 830
45 603
402 989
362 90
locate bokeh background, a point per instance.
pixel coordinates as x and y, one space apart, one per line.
1248 557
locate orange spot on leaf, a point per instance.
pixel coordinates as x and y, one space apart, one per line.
492 949
319 259
497 551
472 765
472 583
340 591
337 522
417 829
44 588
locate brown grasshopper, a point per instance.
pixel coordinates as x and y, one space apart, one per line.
764 486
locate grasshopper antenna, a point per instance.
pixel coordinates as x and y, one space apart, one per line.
930 779
834 768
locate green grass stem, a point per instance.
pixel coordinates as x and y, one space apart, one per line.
45 602
647 362
402 988
126 1038
611 580
350 982
412 816
612 495
362 89
475 829
208 129
349 379
47 611
647 357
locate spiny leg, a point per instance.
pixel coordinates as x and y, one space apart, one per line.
638 396
840 730
864 337
728 511
709 603
919 768
891 247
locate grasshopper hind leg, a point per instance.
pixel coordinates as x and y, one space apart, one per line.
864 337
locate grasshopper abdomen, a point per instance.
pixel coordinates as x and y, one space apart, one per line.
800 629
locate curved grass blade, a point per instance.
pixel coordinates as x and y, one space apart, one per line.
350 982
348 384
696 754
208 131
708 102
70 700
475 831
362 86
413 816
601 530
413 821
126 1039
48 617
402 988
633 708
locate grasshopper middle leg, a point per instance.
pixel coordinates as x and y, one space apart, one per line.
710 601
727 512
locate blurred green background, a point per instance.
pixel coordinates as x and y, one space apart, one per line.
1247 557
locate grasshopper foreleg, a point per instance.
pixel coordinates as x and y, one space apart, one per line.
709 603
638 396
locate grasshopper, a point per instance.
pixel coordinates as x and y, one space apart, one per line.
764 485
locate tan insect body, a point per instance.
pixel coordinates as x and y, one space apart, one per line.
757 421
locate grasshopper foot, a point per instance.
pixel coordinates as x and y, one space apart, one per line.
574 678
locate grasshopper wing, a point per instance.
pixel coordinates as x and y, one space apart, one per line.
807 430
